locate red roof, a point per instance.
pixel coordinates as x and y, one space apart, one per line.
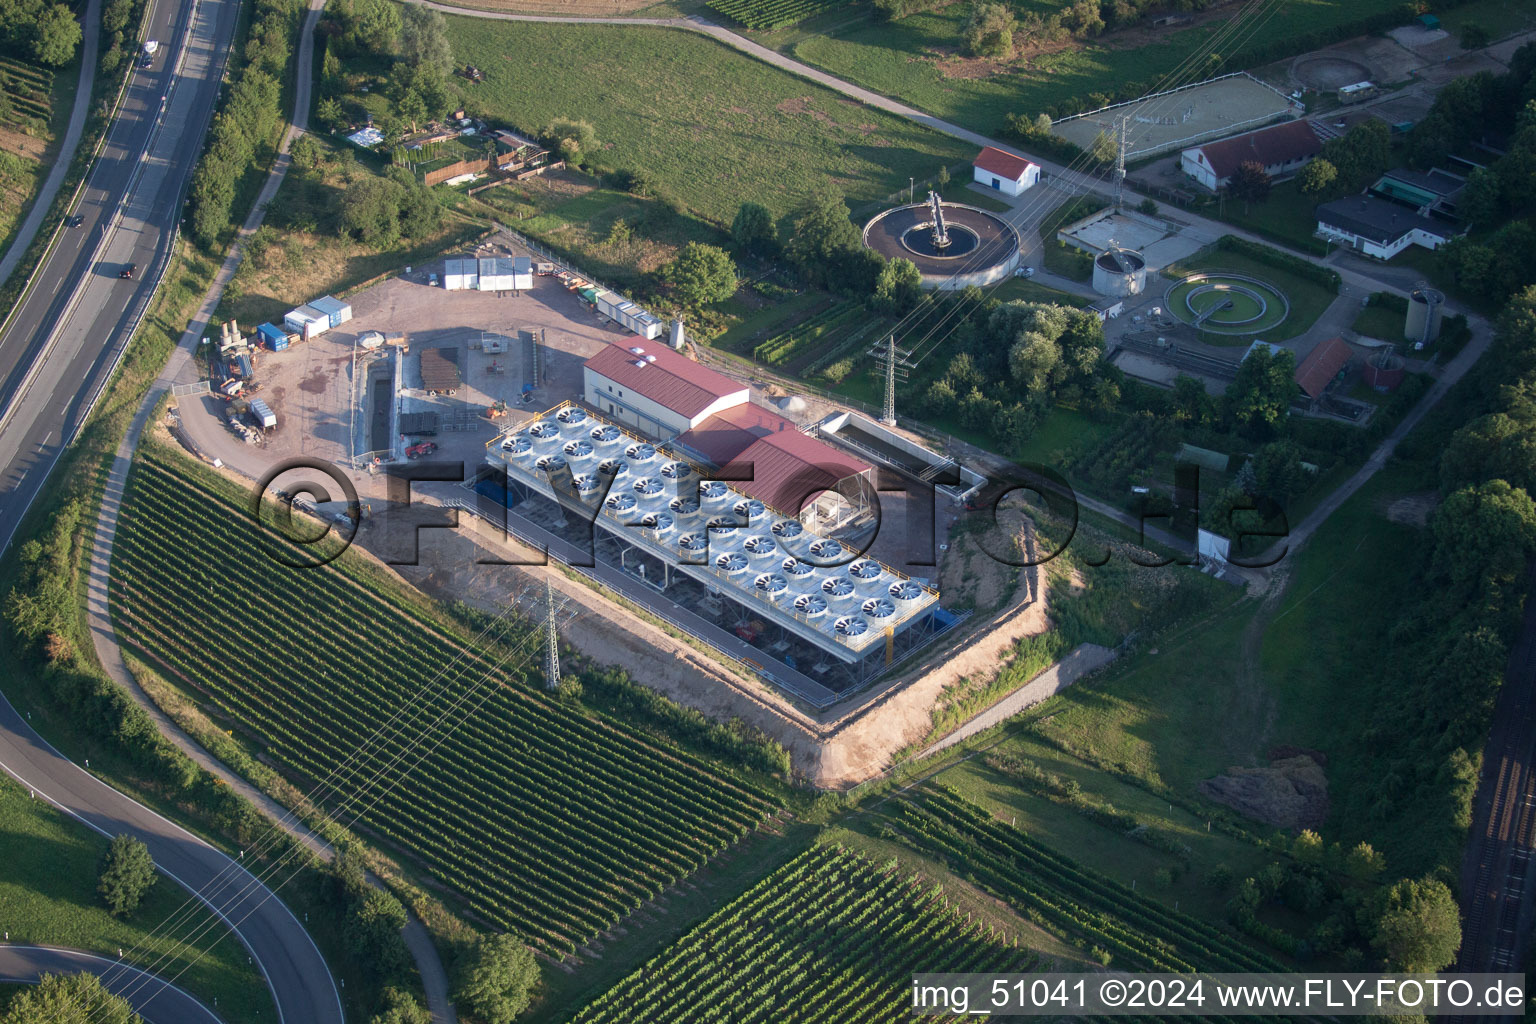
1268 147
787 468
664 376
1005 165
1322 364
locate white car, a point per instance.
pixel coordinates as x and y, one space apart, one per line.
1024 272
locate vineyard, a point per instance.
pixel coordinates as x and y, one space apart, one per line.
545 817
770 13
1137 933
827 938
834 332
25 92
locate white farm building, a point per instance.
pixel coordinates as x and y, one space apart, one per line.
1008 174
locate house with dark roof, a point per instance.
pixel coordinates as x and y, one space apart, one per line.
1376 227
1004 172
1322 367
656 390
1280 149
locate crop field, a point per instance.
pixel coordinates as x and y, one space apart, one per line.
770 13
546 818
830 937
835 332
711 126
915 59
1138 933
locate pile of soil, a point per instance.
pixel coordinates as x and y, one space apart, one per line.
1292 793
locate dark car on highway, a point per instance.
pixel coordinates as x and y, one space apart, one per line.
75 220
127 272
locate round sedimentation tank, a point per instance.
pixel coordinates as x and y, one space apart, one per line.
1426 308
1119 273
953 245
1383 371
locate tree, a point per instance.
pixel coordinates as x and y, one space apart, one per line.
72 999
329 113
411 108
424 38
370 210
1191 402
1417 926
1317 177
372 931
1473 36
822 238
1363 862
306 153
1482 198
1278 473
1496 446
1105 148
1308 847
495 979
753 230
55 35
127 873
700 275
1250 182
1259 397
401 1008
375 26
1483 531
898 288
1361 153
574 139
989 31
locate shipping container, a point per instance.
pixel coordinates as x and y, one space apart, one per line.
263 414
461 274
496 274
273 337
336 311
306 322
522 272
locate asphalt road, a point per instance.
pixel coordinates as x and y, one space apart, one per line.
151 998
66 336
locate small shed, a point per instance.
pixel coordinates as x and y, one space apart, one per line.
522 272
336 311
1429 21
273 337
1322 367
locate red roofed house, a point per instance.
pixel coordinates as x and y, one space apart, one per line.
656 390
1005 172
790 472
1321 366
1280 149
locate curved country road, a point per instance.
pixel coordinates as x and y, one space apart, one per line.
152 998
288 958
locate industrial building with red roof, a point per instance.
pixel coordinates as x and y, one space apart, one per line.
656 390
1321 366
1280 149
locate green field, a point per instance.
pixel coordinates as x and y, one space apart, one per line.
712 126
48 898
912 59
1384 318
543 816
831 937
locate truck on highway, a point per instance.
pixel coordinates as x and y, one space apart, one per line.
147 53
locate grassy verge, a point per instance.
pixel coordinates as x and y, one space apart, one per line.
48 898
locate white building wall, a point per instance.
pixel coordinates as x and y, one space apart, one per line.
1007 186
1192 162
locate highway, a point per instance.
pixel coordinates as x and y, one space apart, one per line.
73 322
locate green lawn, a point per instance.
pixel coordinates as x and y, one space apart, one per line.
713 126
48 897
1019 289
1064 431
1383 321
1285 216
908 59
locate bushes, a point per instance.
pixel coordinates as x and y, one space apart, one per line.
245 132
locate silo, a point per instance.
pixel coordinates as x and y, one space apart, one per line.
1383 371
677 337
1119 272
1426 308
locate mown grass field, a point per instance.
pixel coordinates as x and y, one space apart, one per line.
714 127
915 59
543 816
48 898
